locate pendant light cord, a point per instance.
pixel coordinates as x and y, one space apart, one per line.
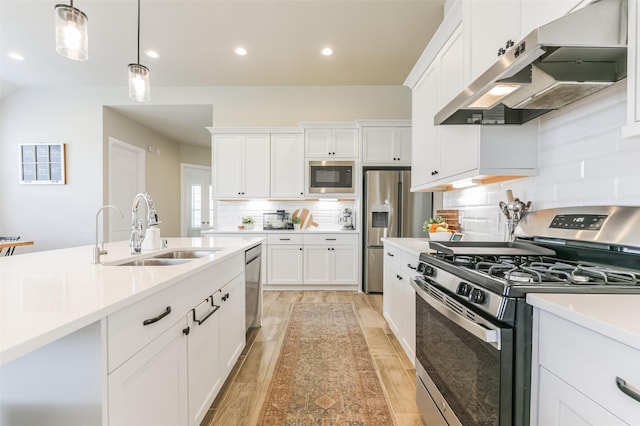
138 32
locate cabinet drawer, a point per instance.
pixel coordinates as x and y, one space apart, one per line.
126 332
284 238
590 362
331 239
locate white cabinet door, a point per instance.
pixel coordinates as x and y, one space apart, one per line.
227 166
256 166
241 166
205 378
232 323
424 133
408 336
318 142
386 145
560 404
287 166
344 265
452 63
317 265
535 13
331 143
284 264
488 25
345 143
151 387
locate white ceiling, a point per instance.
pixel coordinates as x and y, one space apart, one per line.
376 42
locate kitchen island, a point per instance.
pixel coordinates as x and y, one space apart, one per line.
105 344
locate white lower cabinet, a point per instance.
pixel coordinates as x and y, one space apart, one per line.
205 374
151 387
399 298
232 323
575 372
169 354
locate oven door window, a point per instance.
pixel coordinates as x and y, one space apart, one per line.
473 376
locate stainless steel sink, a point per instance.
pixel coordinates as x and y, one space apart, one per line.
175 257
152 261
186 254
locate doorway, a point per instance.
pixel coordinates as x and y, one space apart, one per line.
196 193
126 180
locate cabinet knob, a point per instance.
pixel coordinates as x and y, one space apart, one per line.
433 173
501 51
508 44
186 331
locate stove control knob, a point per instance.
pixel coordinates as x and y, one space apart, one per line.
429 271
463 289
476 296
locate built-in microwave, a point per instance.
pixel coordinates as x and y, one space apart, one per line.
331 177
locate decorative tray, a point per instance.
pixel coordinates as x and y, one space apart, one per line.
489 248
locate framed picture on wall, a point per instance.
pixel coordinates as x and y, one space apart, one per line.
42 163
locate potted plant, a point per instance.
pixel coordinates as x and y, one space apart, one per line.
247 221
296 222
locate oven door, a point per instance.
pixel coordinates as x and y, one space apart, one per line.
464 361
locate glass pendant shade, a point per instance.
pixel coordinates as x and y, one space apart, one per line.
139 86
72 40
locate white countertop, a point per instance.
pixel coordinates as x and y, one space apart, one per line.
411 245
257 230
47 295
612 315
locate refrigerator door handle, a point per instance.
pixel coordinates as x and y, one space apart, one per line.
399 210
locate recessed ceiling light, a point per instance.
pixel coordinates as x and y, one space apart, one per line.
241 51
16 56
152 54
327 51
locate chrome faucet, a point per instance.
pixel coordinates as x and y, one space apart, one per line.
137 230
99 251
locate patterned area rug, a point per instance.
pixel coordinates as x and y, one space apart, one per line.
324 374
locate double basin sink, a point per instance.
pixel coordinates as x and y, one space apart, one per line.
175 257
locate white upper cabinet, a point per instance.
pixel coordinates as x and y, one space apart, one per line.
633 73
331 142
287 166
386 145
241 166
494 26
444 155
489 26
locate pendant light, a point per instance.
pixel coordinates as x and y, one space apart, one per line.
139 88
72 40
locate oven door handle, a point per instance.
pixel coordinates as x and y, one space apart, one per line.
491 336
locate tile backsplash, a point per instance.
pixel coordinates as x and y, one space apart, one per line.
325 213
583 160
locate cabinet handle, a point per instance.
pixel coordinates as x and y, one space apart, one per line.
501 51
399 277
390 254
300 249
158 318
285 239
433 173
186 331
628 390
206 317
411 267
225 297
330 239
508 44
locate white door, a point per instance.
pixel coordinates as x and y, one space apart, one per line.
126 180
196 211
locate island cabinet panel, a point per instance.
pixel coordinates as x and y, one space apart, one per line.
151 387
575 372
232 323
205 374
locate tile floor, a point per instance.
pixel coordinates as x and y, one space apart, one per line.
241 397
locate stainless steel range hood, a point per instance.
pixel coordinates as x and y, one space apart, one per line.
556 64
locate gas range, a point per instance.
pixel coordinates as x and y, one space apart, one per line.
473 325
568 250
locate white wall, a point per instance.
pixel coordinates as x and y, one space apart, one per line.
64 215
583 160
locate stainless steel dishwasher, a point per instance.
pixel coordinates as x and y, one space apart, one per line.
253 259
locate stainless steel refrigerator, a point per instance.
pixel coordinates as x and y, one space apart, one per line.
390 210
